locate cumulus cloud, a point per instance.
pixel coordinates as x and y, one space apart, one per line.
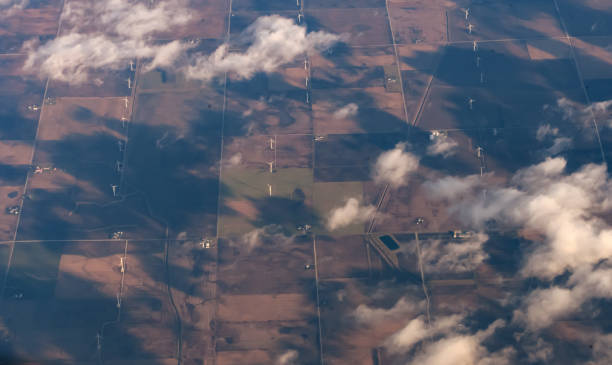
367 315
441 144
562 207
269 235
543 306
347 111
546 130
452 344
235 160
583 115
352 212
272 41
109 34
290 357
9 7
559 145
602 350
566 210
122 32
453 257
451 187
393 167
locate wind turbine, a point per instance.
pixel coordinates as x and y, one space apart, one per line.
118 166
114 187
126 102
131 65
270 189
477 61
471 103
299 18
99 341
118 301
475 46
124 121
272 144
307 98
122 263
470 27
271 164
129 83
479 151
305 65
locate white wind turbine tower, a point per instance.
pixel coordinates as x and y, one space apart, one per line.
131 65
471 103
470 27
271 164
270 189
467 13
129 81
126 102
114 187
475 46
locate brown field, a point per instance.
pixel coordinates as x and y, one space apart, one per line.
263 106
99 84
275 267
379 111
364 26
83 117
287 151
346 340
586 17
40 21
351 67
416 22
522 19
264 307
594 57
344 257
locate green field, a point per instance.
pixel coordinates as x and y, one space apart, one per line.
289 205
330 195
34 269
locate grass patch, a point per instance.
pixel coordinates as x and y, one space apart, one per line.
330 195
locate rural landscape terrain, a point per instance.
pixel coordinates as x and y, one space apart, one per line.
276 182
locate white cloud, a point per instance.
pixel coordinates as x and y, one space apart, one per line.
9 7
449 343
565 210
543 306
124 34
272 41
368 316
560 144
451 187
442 145
393 167
269 235
602 350
351 212
546 130
289 357
235 160
562 207
417 330
583 115
347 111
453 257
109 34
